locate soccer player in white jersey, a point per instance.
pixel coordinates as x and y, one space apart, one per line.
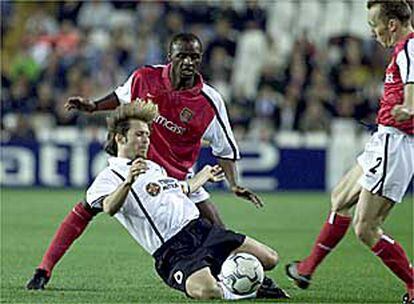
385 169
189 111
155 209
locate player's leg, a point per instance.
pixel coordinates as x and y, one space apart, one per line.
209 211
388 163
370 213
202 285
266 255
343 198
69 230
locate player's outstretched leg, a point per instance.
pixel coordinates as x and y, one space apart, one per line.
344 197
69 230
202 285
370 213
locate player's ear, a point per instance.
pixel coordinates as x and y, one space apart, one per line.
392 25
169 57
120 139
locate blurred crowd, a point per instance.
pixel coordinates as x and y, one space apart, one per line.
280 65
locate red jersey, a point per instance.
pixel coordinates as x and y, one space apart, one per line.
185 118
399 72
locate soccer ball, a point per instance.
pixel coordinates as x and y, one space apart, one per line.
242 273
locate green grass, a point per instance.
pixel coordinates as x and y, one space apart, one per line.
106 266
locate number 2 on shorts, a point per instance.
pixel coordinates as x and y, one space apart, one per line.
373 170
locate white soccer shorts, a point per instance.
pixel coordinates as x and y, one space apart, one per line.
388 163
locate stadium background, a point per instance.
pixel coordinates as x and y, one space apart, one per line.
297 77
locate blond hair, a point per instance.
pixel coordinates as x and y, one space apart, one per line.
118 121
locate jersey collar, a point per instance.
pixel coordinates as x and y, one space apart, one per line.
404 40
195 90
119 161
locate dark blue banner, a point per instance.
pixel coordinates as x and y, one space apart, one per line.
263 166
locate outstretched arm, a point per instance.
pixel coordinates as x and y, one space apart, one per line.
207 174
230 169
109 102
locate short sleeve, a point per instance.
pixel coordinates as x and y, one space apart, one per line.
103 185
124 91
219 133
405 62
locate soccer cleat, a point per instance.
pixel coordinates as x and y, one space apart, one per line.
39 280
406 300
269 290
302 281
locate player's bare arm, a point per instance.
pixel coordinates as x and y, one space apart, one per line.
230 169
79 103
113 202
207 174
406 110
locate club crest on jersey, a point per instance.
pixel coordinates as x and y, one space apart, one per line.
186 115
153 189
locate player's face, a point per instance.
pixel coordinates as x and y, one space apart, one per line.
137 140
185 58
381 31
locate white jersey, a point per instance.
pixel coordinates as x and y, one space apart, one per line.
155 209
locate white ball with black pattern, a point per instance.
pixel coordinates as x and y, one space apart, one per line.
242 273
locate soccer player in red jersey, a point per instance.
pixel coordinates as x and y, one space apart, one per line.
384 170
189 111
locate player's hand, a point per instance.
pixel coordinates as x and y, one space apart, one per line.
213 174
247 194
401 113
138 167
80 104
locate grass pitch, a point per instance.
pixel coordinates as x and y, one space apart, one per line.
106 266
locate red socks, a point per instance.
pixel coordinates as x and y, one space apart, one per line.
331 234
389 251
70 229
393 256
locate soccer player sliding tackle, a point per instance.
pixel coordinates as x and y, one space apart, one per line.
189 110
156 211
385 169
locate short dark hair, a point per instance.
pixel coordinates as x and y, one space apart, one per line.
393 9
184 37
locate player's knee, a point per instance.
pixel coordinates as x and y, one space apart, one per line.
339 201
271 260
363 231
